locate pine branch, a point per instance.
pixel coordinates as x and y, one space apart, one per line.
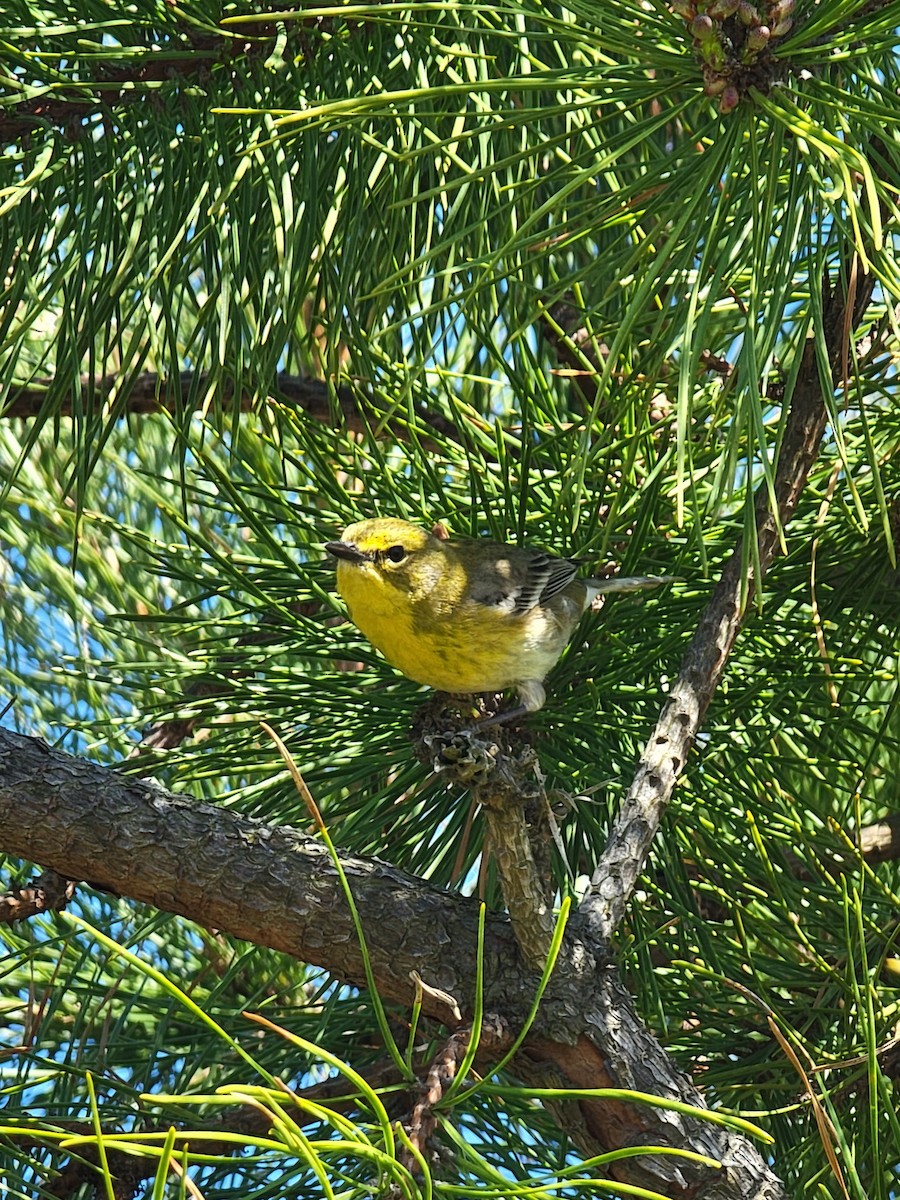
277 887
179 56
668 747
110 90
152 393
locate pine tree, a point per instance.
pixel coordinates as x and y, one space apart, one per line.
618 280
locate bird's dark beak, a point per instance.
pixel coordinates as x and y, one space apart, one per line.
347 551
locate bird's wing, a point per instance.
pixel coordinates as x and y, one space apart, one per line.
518 580
547 575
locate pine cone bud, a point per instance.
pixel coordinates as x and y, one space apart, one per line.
748 14
758 38
777 12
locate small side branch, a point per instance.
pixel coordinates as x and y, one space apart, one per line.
440 1074
152 393
49 892
502 772
666 753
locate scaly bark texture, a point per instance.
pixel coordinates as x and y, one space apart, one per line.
277 887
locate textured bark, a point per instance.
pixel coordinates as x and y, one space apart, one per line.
667 749
277 887
503 774
523 892
48 893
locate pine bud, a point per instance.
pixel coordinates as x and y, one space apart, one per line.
758 38
748 14
784 8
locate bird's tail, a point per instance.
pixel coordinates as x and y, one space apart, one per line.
630 583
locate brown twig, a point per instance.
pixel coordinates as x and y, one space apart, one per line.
50 892
575 347
501 770
440 1074
880 842
186 57
151 393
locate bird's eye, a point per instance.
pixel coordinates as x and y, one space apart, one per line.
395 553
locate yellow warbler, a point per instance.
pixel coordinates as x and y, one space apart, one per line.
464 616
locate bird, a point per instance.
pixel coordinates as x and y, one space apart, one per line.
469 615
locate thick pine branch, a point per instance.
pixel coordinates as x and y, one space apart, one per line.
277 887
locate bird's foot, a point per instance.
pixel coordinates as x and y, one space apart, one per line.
468 737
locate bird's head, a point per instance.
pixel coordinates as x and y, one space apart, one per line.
386 550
